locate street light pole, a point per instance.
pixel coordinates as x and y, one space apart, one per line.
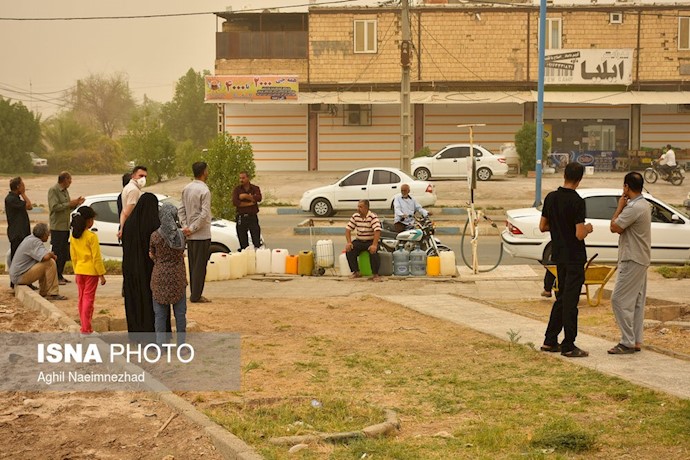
405 105
540 102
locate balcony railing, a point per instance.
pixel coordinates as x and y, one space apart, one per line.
261 45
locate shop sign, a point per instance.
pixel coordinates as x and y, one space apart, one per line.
588 67
249 88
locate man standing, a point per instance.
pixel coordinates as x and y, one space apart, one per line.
368 233
563 215
131 193
195 217
405 206
17 205
667 161
633 222
246 197
60 206
33 262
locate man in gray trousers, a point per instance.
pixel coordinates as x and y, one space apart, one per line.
195 217
632 220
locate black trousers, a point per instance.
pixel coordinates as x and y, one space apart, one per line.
248 224
59 240
198 253
564 311
361 246
14 244
549 279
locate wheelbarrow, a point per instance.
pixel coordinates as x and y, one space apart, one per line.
595 275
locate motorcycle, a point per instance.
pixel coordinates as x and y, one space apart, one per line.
421 235
675 177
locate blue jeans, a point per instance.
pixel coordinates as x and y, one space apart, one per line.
162 319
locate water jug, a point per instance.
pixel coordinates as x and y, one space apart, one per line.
235 266
305 265
222 261
448 267
417 262
385 263
433 266
324 253
401 262
278 257
343 265
251 259
263 260
291 265
211 271
243 262
364 263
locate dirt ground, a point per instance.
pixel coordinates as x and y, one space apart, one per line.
74 425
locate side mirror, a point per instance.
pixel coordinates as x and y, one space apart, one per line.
675 218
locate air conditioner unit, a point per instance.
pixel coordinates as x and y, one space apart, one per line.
683 108
354 118
357 115
616 18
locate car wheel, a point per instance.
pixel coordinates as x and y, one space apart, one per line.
422 174
484 174
546 256
320 207
217 247
650 176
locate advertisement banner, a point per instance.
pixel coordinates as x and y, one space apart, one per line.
588 67
250 88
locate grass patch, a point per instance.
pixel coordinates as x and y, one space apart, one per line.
674 272
563 435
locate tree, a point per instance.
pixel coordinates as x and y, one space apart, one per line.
148 143
226 158
63 132
526 146
20 133
106 102
187 116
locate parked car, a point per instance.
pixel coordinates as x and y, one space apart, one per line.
670 230
37 162
223 232
378 185
451 163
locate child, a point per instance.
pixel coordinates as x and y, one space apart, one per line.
87 263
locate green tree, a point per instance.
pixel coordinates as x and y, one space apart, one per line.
226 158
20 133
106 102
148 143
63 132
526 146
187 116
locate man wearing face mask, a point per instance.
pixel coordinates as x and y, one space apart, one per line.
131 194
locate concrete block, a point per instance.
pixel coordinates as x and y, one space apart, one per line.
118 324
651 323
101 323
663 313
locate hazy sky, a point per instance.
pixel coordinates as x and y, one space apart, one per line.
40 59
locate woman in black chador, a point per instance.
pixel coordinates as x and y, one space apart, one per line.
137 265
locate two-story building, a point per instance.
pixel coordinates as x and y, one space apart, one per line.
320 90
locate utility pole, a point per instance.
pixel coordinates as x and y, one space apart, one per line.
405 106
540 101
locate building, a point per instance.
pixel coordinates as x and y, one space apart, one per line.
616 79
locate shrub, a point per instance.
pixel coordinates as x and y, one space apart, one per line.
526 145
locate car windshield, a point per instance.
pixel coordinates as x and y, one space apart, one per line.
678 211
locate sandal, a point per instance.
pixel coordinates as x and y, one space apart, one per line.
621 349
551 348
575 353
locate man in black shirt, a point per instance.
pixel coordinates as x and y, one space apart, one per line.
563 215
16 206
246 198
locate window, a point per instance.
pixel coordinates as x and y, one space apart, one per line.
365 36
477 152
554 31
601 207
357 115
385 177
106 211
358 178
661 214
684 33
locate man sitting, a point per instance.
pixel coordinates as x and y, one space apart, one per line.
405 206
368 228
32 262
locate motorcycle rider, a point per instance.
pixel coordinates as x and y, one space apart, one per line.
667 161
405 206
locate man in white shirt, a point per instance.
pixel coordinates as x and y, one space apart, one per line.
131 194
405 206
667 161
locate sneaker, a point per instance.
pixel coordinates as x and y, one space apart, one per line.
621 349
56 297
575 353
545 293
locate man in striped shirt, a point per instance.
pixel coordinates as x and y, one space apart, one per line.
368 229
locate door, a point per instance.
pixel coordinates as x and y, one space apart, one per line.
352 189
601 241
105 225
670 237
384 185
450 162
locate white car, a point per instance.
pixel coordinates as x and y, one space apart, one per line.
451 163
38 162
670 230
378 185
107 222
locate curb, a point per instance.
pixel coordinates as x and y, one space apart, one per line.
483 231
228 445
